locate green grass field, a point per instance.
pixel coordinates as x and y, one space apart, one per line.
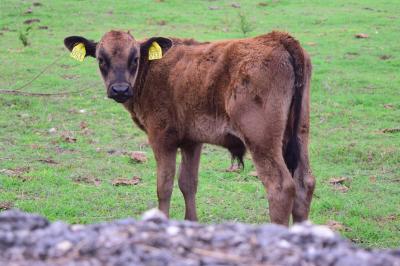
355 96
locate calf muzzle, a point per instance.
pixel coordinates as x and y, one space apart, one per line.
120 92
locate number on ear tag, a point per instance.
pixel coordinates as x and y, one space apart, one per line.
155 51
78 52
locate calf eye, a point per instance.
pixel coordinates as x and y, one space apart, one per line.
102 62
135 61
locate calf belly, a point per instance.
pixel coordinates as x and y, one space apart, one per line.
217 131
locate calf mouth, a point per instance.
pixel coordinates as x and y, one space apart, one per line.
120 98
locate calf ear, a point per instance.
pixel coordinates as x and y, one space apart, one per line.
90 46
149 46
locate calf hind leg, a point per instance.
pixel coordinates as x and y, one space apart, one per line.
262 131
278 184
305 184
304 180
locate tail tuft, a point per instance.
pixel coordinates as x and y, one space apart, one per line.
292 154
237 153
237 149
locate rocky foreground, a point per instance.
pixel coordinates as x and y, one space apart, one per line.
28 239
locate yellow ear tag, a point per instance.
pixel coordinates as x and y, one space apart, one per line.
155 51
78 52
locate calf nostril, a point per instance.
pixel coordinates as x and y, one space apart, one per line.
120 88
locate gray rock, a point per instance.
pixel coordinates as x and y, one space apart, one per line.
235 5
28 239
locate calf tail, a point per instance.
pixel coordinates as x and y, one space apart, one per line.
292 149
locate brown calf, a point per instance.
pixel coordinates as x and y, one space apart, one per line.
240 94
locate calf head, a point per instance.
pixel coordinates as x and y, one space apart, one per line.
121 59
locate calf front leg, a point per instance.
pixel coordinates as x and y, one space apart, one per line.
188 173
166 160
